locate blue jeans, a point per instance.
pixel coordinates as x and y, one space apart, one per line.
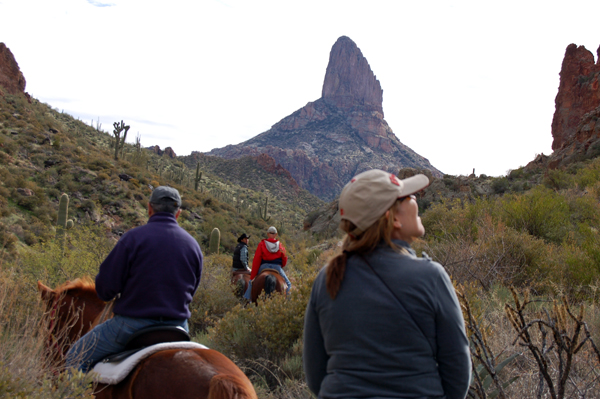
108 338
273 266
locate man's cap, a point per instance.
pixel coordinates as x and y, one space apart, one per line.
242 237
162 194
272 229
370 194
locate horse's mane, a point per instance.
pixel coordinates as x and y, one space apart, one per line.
85 284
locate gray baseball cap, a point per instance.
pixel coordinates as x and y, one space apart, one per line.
162 194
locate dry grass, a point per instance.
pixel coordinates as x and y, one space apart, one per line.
541 315
23 371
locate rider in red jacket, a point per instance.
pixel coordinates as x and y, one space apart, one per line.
271 254
269 250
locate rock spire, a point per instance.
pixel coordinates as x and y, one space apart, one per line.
349 80
578 94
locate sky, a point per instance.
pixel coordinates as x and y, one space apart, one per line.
466 84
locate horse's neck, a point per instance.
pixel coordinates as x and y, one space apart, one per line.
84 309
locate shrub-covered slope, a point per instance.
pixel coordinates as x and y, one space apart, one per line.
44 153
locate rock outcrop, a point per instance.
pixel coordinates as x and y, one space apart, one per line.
168 151
575 129
11 77
328 141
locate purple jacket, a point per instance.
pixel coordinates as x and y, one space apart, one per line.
156 268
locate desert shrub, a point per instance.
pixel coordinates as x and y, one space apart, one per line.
496 254
557 179
455 218
268 331
540 212
103 176
86 246
500 185
31 202
516 173
8 240
589 175
214 297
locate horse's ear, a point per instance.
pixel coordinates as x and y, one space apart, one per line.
47 293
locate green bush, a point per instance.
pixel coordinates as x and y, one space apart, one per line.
500 185
267 331
214 297
540 212
85 248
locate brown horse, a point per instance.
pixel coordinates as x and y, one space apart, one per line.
174 373
240 280
268 280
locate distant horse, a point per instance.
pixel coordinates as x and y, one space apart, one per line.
240 280
268 280
71 310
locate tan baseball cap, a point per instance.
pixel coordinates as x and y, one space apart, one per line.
370 194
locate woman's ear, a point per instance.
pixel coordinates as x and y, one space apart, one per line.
396 223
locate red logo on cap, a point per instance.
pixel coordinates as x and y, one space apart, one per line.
394 180
342 211
352 181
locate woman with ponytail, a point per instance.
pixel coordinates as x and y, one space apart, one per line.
382 322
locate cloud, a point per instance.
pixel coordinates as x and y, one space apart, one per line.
99 4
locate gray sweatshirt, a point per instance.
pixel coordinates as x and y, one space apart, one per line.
364 344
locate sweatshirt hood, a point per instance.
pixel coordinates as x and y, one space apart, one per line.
272 245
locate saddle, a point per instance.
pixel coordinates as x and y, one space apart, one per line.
266 269
147 337
238 272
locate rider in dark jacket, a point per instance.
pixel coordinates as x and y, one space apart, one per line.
240 254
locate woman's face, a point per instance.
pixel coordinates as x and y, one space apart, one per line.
407 223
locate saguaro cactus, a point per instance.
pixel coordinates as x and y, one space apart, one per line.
263 212
119 142
198 176
215 241
63 223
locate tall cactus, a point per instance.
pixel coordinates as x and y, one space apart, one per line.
215 241
63 223
263 212
198 176
119 142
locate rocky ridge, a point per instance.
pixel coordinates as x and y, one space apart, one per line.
341 134
11 77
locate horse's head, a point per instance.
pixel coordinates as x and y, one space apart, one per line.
70 310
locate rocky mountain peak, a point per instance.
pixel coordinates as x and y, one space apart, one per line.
328 141
349 80
11 77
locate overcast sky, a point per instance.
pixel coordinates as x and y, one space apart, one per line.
466 84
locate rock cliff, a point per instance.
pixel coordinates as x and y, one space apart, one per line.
341 134
11 77
575 129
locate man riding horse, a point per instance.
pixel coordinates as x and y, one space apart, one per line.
270 254
240 254
152 273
